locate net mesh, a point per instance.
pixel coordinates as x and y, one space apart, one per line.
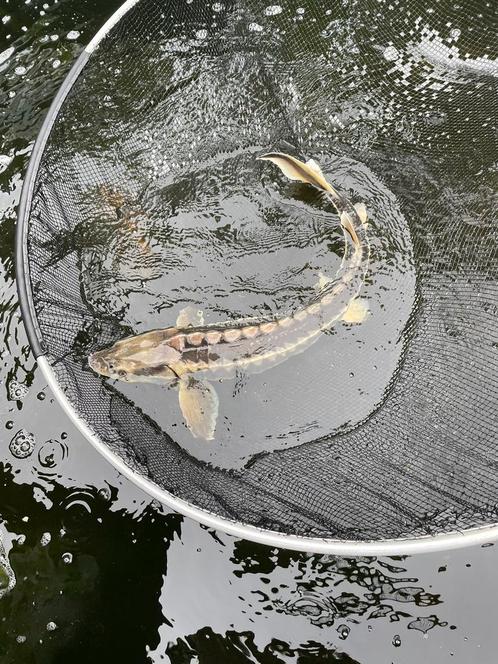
406 88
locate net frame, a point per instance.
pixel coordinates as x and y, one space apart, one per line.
395 546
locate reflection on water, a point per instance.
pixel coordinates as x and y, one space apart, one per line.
113 572
90 570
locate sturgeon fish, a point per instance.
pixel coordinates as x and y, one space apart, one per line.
191 354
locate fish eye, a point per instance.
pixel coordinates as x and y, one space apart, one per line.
122 373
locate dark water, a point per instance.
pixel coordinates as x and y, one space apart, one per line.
93 571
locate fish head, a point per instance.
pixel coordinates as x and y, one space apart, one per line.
108 363
137 359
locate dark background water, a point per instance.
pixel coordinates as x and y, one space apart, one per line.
94 572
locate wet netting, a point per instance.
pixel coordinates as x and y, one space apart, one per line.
144 196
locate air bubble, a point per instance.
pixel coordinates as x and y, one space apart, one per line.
105 494
22 445
343 632
51 453
396 641
9 424
41 396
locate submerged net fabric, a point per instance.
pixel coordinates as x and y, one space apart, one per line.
406 88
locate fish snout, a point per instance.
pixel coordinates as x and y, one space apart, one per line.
97 363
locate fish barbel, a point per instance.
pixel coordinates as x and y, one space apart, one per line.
191 354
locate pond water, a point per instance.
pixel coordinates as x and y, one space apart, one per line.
90 569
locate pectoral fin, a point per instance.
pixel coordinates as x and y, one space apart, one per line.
190 317
356 312
199 405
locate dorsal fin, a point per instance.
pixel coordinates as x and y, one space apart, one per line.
361 210
190 317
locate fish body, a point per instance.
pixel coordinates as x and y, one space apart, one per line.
190 354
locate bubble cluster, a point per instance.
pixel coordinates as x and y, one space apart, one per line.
7 576
45 539
273 10
22 444
17 391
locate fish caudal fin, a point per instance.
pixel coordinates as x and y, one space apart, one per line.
356 312
199 404
309 172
